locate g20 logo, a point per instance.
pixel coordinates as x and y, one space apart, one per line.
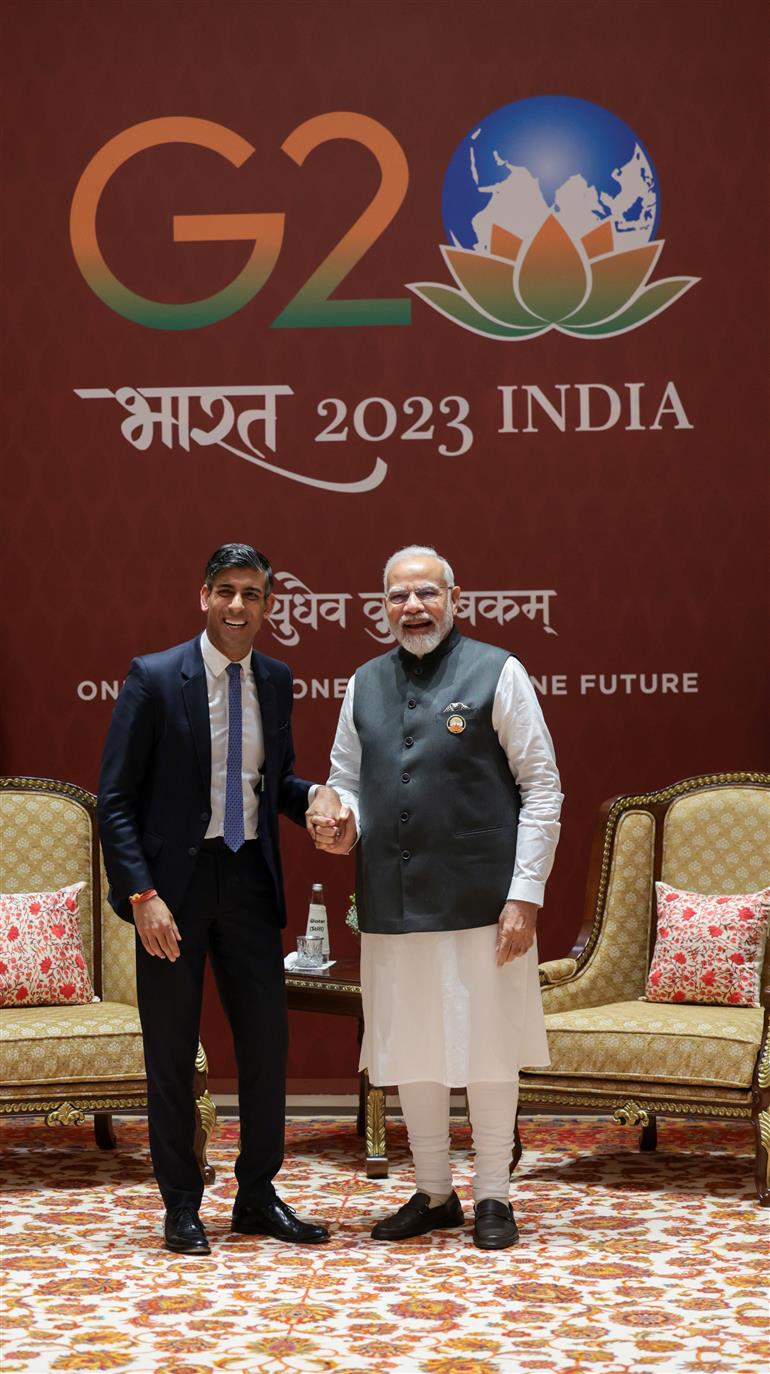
550 207
311 307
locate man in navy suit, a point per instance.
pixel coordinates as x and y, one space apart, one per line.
197 766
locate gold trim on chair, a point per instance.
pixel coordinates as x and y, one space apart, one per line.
664 1107
631 1114
59 789
66 1115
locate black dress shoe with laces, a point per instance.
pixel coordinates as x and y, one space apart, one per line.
183 1232
276 1219
417 1217
494 1227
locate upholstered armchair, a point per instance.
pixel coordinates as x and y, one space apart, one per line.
66 1062
613 1054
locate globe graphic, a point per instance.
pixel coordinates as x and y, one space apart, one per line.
550 155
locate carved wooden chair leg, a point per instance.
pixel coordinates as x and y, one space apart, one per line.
518 1148
648 1140
760 1092
104 1131
762 1138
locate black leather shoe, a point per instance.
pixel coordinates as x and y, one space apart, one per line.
494 1227
184 1234
417 1217
276 1219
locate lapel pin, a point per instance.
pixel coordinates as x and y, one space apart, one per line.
455 725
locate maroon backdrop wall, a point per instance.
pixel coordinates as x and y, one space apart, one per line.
648 536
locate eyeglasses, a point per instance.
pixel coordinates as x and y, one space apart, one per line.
398 596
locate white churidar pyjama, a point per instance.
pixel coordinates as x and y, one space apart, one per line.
492 1110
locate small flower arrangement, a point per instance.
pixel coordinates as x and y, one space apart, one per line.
351 915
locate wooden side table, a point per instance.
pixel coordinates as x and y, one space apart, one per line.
338 990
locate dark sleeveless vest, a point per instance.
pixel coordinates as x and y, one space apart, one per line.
438 803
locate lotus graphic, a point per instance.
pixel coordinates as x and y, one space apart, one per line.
551 205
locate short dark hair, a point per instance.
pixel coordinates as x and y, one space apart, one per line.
238 556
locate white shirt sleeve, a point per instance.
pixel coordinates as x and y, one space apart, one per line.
346 755
523 735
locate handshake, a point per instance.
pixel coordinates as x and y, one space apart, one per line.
330 825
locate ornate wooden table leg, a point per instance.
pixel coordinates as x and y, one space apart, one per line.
205 1116
362 1083
376 1145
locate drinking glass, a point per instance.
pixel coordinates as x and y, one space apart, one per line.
310 952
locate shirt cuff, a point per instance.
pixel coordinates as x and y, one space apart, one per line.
314 786
525 890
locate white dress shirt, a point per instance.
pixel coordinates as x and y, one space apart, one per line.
253 750
523 735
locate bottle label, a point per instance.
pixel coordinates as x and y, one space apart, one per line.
318 925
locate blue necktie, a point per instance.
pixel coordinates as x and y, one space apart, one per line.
233 831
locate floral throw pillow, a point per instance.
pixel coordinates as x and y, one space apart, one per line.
708 949
42 963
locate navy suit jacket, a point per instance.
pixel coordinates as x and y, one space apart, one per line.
154 802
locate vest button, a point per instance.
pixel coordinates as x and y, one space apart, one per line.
405 854
411 703
417 670
404 815
205 815
409 741
192 851
404 777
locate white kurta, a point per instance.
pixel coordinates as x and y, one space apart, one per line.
436 1007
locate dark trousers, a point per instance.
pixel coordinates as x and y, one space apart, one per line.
229 914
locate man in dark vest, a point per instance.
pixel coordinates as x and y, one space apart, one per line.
447 776
197 766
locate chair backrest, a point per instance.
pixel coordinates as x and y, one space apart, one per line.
717 839
706 834
49 840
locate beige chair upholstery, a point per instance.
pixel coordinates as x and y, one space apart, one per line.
612 1053
67 1062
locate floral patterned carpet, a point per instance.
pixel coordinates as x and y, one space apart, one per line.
626 1261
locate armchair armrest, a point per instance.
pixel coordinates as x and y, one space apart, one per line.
555 971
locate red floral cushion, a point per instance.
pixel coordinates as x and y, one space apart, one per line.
42 963
708 949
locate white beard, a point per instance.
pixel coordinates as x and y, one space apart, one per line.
428 641
421 644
